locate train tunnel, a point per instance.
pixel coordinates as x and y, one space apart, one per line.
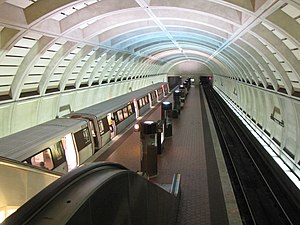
61 56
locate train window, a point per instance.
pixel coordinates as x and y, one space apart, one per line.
125 112
120 115
58 154
129 108
140 103
105 124
43 160
143 100
115 118
146 100
101 127
153 96
82 138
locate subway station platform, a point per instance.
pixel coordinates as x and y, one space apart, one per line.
194 152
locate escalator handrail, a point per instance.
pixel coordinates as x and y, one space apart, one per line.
36 203
175 186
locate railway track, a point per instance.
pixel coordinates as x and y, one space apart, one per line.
260 197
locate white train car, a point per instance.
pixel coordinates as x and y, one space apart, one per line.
64 143
60 144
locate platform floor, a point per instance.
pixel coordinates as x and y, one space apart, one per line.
194 152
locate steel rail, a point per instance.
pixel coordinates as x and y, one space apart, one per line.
229 119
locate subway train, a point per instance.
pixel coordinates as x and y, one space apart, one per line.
64 143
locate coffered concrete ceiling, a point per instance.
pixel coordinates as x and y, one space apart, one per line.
50 46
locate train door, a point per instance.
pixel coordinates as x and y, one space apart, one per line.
104 131
136 108
70 151
153 97
157 95
95 130
160 93
112 125
150 100
164 92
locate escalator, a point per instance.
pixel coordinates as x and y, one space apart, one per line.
101 193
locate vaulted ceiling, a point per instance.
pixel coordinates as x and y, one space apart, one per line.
52 46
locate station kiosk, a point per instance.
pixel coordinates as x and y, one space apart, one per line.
148 136
166 117
176 98
182 95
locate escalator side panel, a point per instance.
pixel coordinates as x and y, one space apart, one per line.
161 206
108 205
79 219
138 200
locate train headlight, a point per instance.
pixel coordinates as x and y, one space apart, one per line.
136 127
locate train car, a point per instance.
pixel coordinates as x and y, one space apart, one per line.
111 117
166 89
100 129
64 143
60 145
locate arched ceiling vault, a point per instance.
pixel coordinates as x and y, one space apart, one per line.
191 68
52 46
